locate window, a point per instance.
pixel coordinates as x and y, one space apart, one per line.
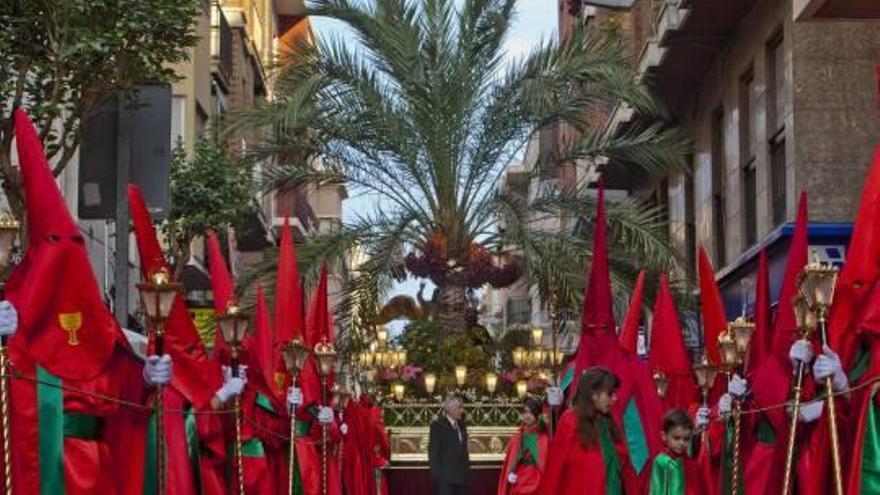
719 211
776 93
748 152
750 203
777 180
776 86
747 118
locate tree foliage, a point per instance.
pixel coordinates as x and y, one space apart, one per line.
419 110
212 190
61 58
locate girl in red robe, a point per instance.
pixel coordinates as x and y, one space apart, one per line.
526 454
588 455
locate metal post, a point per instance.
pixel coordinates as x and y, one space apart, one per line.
792 430
292 453
832 416
123 171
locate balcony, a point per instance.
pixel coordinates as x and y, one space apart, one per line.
806 10
221 46
293 204
518 313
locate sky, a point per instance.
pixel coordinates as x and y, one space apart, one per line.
535 21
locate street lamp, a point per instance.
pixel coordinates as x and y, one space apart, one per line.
522 388
705 374
8 233
430 382
491 382
295 354
537 335
158 293
518 355
233 325
325 354
460 374
816 284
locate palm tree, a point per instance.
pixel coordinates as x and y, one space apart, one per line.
421 112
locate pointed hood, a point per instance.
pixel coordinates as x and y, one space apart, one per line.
317 328
714 316
47 212
195 375
221 279
668 353
762 340
261 349
629 331
598 342
598 315
861 270
288 293
785 326
63 322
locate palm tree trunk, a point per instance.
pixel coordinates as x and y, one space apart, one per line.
452 307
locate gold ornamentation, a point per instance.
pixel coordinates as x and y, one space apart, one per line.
71 323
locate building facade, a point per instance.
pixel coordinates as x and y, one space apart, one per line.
773 103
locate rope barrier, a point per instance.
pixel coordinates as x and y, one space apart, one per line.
228 412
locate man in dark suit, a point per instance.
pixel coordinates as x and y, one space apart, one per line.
448 450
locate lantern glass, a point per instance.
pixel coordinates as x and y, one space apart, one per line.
518 356
370 374
727 347
460 374
325 353
817 283
661 382
537 357
295 354
233 325
401 357
8 232
705 374
382 335
522 388
802 313
742 334
399 391
537 335
491 382
430 382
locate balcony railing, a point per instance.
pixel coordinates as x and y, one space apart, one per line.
221 44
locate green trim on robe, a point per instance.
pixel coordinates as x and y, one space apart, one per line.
766 433
84 426
50 420
860 365
264 402
635 436
530 443
193 451
871 452
567 378
252 448
613 482
667 476
150 458
727 463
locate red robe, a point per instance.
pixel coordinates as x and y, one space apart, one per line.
572 468
355 465
103 461
380 452
530 469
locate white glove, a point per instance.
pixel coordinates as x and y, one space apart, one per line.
294 397
738 387
800 351
232 385
227 372
725 404
828 364
703 414
325 415
8 319
809 412
511 478
157 371
554 397
343 428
